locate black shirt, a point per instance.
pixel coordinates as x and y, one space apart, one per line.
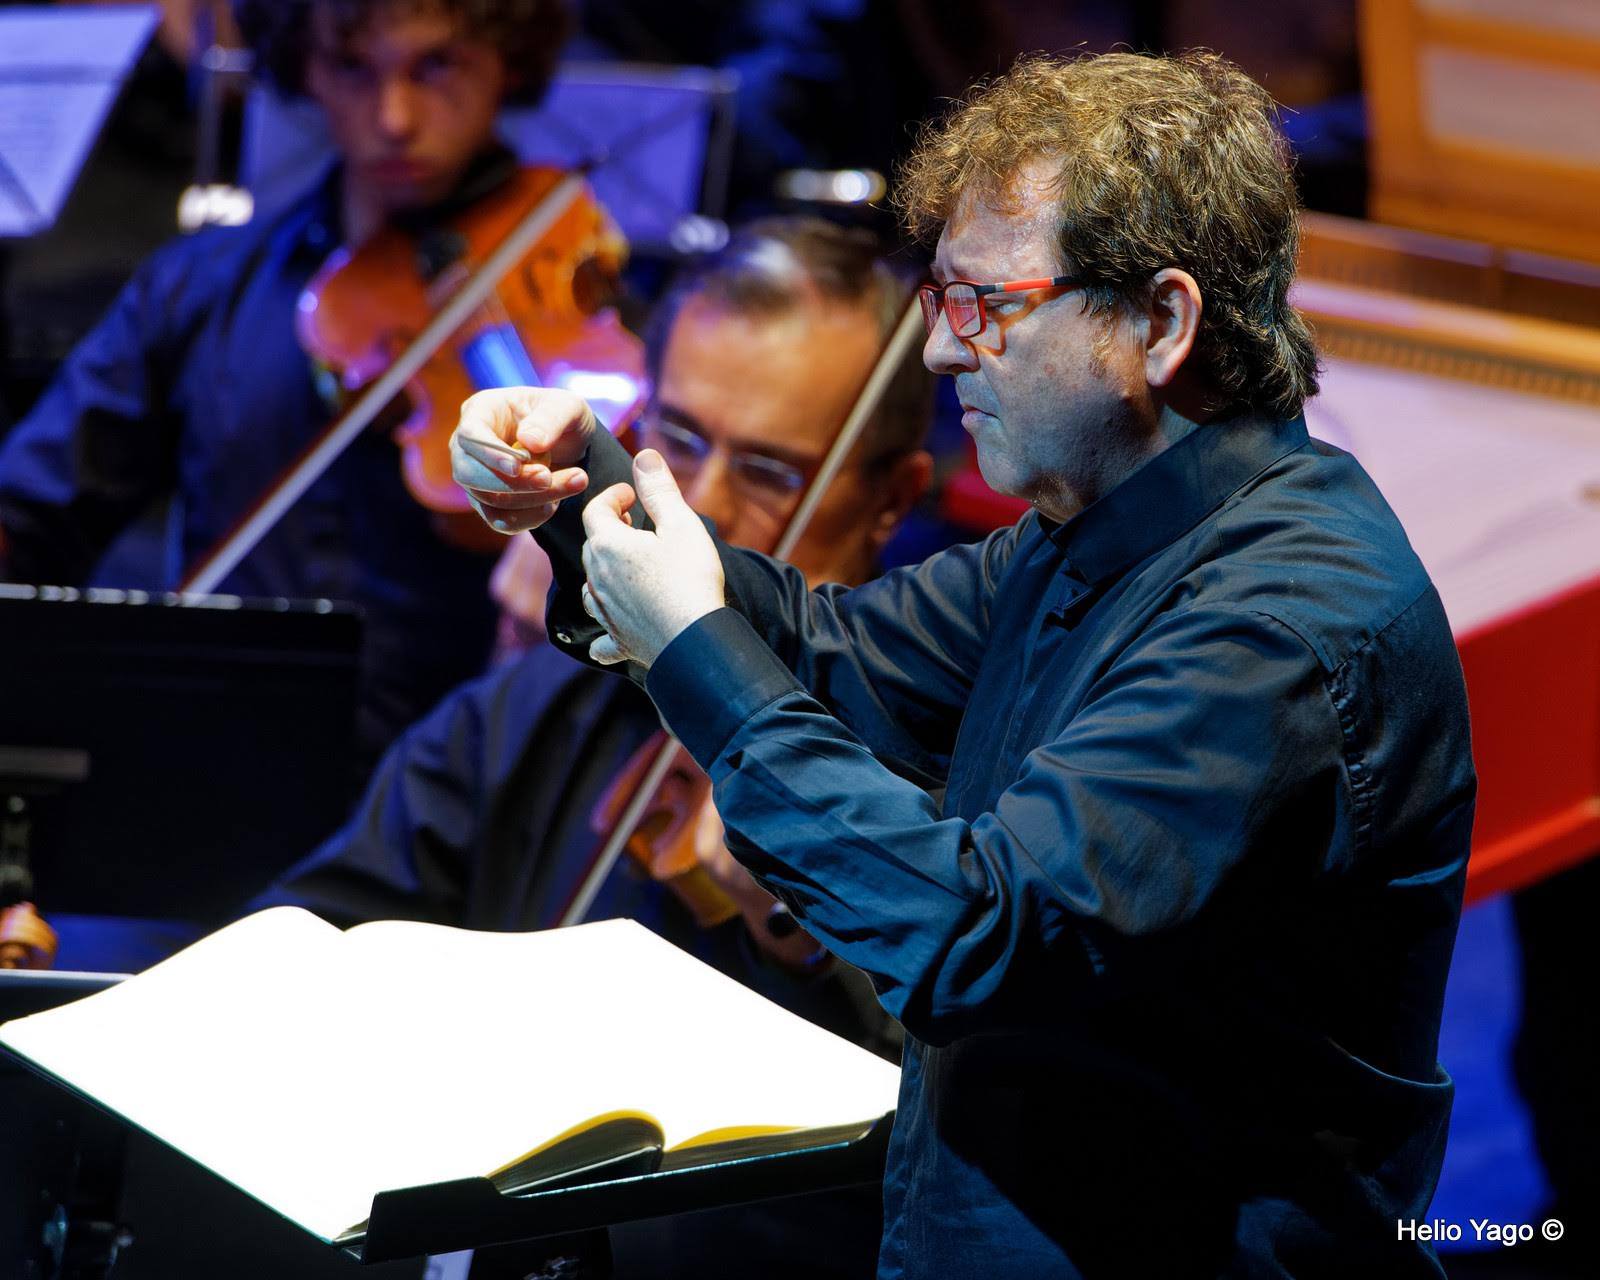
1171 952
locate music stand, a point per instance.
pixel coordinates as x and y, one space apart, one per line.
61 68
574 1217
165 757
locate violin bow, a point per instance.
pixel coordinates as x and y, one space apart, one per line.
909 330
375 397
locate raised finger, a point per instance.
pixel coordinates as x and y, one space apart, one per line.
658 492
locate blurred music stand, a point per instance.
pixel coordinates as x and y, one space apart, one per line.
61 68
162 758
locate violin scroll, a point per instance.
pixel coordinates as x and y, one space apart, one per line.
26 941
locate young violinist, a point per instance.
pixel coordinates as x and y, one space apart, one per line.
484 815
193 385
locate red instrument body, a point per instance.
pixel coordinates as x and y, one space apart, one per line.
1533 683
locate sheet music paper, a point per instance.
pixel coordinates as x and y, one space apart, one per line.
61 67
314 1068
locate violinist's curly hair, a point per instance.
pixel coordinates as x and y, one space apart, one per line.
1158 162
772 266
528 33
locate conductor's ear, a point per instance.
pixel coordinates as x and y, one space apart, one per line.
1173 321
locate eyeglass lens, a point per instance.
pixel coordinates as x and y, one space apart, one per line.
961 307
686 451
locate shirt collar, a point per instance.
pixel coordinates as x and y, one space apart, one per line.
1172 493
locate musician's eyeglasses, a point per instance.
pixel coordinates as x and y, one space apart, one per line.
962 301
686 449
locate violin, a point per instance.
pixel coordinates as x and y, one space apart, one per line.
26 941
651 809
511 291
547 322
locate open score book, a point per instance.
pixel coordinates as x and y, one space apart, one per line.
313 1067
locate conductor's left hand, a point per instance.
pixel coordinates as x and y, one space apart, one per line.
646 587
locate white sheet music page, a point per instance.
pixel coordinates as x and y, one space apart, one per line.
313 1068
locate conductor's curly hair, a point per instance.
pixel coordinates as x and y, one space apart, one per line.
1152 163
528 33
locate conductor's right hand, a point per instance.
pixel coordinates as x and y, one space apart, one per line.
514 452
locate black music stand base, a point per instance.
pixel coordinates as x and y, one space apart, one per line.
570 1223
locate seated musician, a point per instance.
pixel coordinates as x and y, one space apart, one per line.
194 385
486 813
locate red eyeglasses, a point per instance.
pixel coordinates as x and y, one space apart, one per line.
962 301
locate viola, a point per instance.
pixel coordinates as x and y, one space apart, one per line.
26 941
662 842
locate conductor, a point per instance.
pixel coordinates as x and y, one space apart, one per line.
1170 944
